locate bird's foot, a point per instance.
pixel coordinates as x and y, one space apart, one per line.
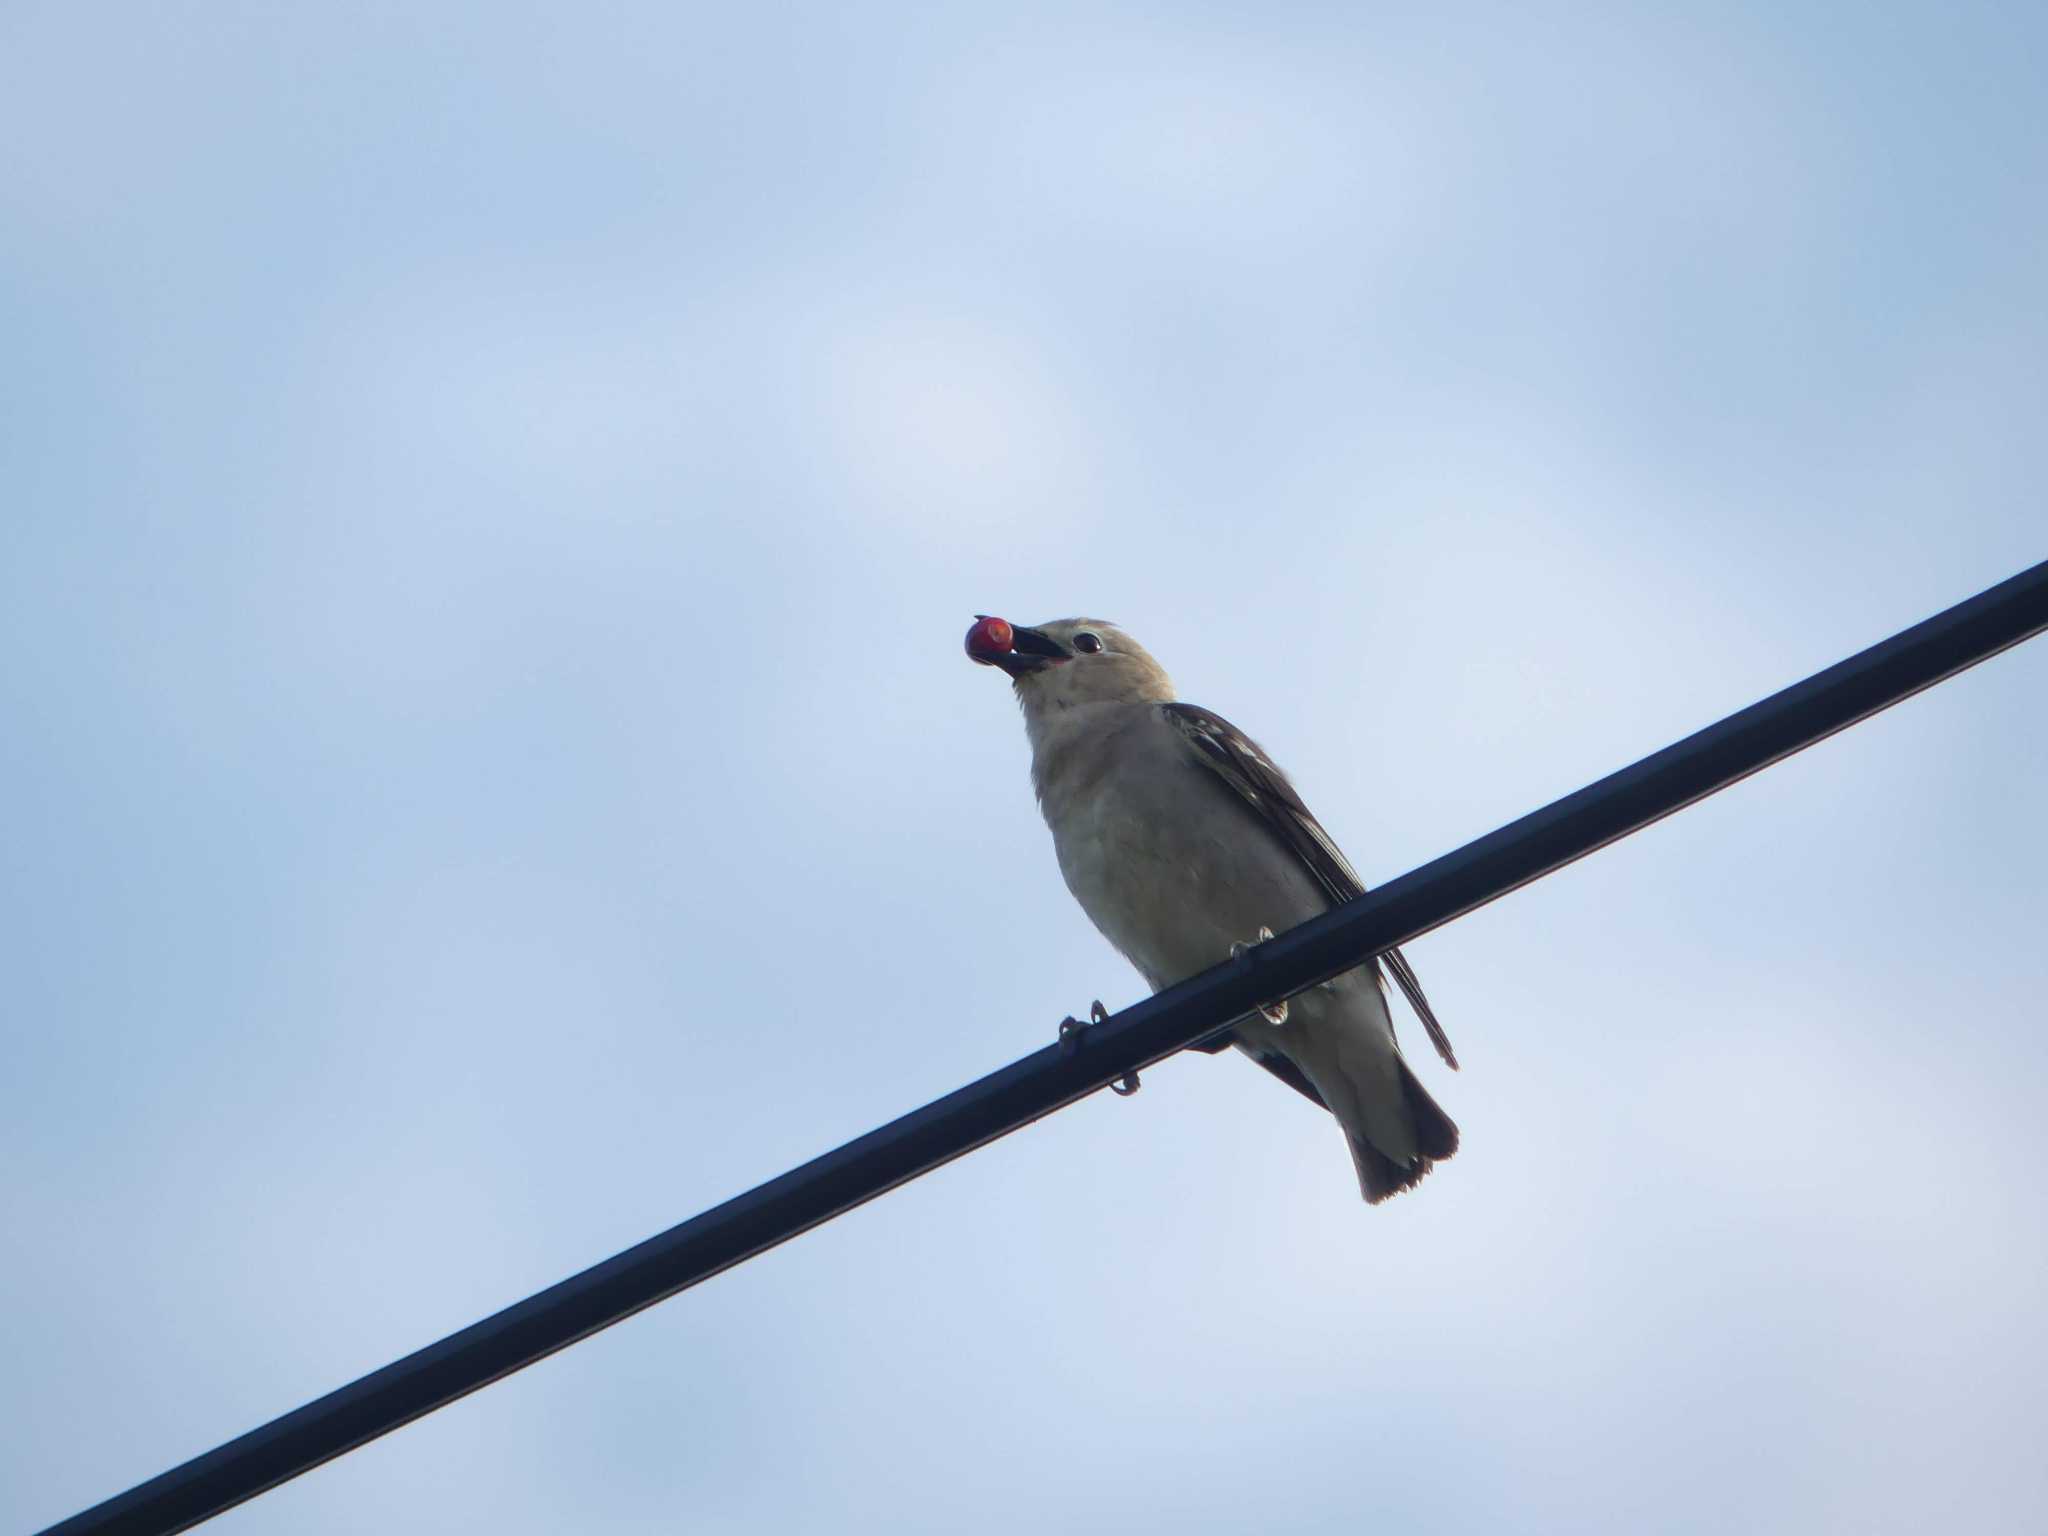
1072 1029
1071 1032
1272 1013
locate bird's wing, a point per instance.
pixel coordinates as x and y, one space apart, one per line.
1264 791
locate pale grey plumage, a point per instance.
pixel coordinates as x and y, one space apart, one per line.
1179 838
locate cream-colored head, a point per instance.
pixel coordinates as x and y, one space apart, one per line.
1070 663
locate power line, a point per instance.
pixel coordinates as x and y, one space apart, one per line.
1054 1077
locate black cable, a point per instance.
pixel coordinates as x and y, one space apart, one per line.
1049 1079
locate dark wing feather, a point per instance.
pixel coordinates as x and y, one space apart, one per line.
1279 1066
1263 789
1293 1077
1411 988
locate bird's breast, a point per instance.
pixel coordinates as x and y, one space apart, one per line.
1173 879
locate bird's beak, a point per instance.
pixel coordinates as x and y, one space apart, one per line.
1030 651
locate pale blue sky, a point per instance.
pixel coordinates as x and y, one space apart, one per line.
489 501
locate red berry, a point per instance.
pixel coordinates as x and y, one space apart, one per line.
989 637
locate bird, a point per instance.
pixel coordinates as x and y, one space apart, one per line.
1183 843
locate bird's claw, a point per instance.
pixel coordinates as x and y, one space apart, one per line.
1071 1031
1272 1013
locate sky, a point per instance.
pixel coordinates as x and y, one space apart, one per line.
490 499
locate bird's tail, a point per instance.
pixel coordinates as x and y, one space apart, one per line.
1435 1138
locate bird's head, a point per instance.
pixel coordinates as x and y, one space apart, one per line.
1069 662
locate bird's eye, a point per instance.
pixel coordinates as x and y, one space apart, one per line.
1088 642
